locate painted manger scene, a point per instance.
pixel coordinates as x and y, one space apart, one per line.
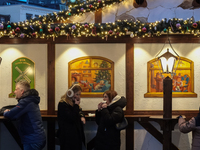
93 74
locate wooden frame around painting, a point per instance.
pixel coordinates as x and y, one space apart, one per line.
182 81
94 74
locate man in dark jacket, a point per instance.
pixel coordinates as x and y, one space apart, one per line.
27 114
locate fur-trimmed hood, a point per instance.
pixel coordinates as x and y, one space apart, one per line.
32 92
118 101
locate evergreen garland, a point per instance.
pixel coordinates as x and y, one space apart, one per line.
48 26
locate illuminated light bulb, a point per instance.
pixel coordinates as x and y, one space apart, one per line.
131 35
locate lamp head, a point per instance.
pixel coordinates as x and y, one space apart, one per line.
167 61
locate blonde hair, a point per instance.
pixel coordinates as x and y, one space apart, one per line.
23 84
67 99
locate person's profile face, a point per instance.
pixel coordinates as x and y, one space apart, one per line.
77 95
105 98
18 92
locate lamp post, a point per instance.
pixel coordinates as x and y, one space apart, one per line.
167 61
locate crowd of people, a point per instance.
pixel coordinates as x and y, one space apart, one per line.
70 119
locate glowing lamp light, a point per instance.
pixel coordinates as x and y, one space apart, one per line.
167 61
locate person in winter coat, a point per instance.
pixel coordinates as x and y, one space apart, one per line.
106 116
28 116
71 120
192 125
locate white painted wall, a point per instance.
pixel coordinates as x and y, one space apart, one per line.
35 52
143 140
148 52
156 10
68 52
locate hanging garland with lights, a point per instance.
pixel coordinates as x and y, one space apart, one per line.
48 26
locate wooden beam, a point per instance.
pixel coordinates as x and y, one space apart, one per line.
123 39
98 16
129 95
155 133
51 79
129 78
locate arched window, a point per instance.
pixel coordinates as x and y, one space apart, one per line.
94 74
182 83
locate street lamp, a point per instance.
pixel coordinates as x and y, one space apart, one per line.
167 61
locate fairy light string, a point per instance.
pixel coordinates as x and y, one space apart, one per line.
54 25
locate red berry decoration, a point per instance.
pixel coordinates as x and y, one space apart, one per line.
86 26
50 31
90 5
13 33
144 29
57 29
110 32
34 34
99 1
194 25
17 29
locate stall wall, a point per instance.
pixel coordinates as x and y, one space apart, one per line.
11 52
67 52
148 52
142 54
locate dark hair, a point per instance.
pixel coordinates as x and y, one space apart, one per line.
111 94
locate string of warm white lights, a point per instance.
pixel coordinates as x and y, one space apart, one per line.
48 26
